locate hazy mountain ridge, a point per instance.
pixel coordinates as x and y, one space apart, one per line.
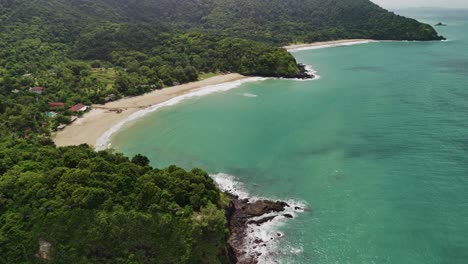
266 20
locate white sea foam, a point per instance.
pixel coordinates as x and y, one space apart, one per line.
103 141
311 71
249 95
331 45
228 183
296 251
263 241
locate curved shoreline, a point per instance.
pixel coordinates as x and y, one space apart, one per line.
94 124
96 127
255 238
103 141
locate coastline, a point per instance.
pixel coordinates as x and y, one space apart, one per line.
253 222
254 236
96 126
327 44
100 120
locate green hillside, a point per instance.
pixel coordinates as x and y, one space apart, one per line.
273 21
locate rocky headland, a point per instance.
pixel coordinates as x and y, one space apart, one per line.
243 213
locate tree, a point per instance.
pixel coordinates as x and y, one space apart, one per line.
140 160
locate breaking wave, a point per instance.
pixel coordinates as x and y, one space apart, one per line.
265 240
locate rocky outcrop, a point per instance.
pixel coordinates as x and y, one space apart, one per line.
242 213
303 74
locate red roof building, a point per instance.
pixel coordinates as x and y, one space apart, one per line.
79 108
56 105
37 89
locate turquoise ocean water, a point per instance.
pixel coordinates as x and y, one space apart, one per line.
377 148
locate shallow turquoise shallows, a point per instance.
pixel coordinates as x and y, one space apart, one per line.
377 148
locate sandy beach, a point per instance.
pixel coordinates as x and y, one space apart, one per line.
95 123
326 44
100 120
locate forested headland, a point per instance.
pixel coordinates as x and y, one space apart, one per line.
102 207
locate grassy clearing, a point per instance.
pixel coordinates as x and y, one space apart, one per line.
105 75
204 76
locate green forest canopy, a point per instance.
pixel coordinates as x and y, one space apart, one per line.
99 207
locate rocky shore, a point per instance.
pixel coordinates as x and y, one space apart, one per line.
243 213
303 74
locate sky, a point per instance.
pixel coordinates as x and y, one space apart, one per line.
422 3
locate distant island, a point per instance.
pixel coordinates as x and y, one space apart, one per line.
440 24
77 205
